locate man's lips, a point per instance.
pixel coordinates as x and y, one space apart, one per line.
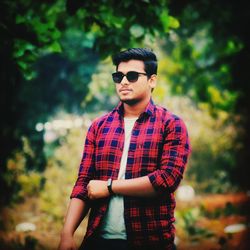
125 90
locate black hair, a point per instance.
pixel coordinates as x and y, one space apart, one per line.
142 54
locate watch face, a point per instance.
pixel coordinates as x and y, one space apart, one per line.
109 182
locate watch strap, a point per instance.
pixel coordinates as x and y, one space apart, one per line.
109 185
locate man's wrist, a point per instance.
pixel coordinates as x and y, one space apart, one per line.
109 186
67 233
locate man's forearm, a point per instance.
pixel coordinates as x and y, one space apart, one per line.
138 187
77 210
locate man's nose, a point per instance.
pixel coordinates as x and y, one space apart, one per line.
124 80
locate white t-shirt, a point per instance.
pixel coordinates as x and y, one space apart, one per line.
113 226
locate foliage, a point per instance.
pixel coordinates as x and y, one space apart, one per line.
31 27
192 69
61 81
23 183
126 26
38 27
61 173
187 220
102 95
30 243
217 68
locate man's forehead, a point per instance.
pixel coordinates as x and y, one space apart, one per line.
131 65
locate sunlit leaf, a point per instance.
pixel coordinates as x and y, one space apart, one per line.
164 17
173 23
136 30
55 47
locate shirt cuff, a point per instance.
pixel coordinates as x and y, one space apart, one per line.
80 193
157 181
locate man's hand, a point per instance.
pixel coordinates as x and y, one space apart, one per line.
97 189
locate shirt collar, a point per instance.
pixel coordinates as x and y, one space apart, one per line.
149 109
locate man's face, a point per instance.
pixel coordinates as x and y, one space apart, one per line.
134 92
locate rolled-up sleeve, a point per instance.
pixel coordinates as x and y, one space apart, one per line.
175 152
87 167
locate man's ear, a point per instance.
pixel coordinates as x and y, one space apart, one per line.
153 81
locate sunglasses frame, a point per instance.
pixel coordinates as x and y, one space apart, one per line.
137 74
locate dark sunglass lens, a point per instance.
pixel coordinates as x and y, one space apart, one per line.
117 77
132 76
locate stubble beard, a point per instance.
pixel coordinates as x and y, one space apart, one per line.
131 102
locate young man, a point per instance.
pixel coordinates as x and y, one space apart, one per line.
133 161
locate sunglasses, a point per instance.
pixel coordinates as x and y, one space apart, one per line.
132 76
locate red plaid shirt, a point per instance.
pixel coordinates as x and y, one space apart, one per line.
159 148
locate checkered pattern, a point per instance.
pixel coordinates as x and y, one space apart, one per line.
159 148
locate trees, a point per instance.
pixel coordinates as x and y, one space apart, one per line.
26 28
226 25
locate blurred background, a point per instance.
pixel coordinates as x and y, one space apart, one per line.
56 78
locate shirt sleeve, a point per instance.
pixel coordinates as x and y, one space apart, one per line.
87 167
176 149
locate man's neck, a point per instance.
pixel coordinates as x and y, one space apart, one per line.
135 109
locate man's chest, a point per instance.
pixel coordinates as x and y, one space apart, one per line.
144 150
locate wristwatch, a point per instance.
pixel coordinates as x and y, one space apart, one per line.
109 186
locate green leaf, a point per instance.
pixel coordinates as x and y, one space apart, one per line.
164 17
136 30
55 47
23 65
173 23
20 19
19 52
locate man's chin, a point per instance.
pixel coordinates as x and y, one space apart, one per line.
129 102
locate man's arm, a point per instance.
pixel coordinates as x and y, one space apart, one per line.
138 187
78 207
77 210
